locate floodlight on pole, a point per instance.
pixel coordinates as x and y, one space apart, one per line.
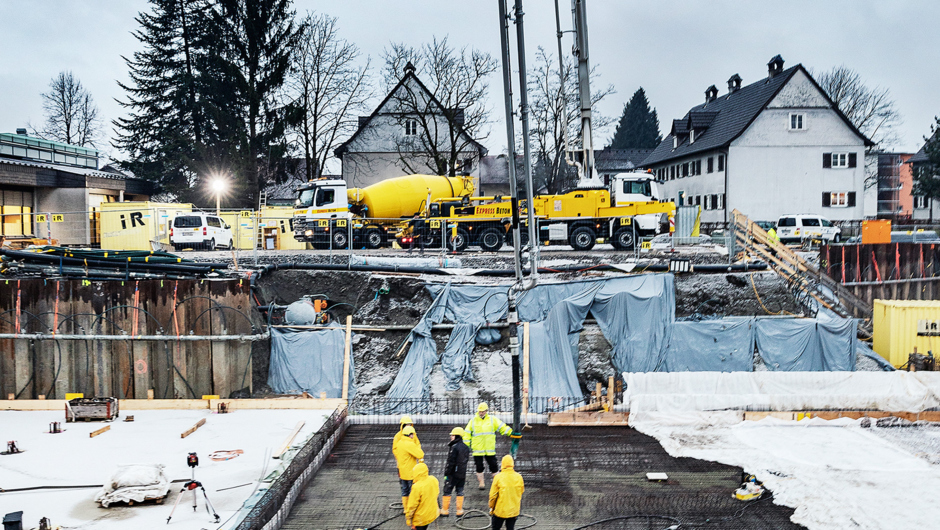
218 185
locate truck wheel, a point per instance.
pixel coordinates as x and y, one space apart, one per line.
212 244
231 245
339 238
582 238
491 240
460 241
373 238
623 239
525 235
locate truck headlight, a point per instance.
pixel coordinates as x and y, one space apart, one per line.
308 233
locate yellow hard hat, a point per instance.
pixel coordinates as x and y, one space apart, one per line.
483 406
408 430
406 419
457 431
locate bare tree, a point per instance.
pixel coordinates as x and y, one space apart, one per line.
329 86
70 111
871 110
555 112
438 130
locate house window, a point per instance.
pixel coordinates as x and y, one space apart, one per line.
838 199
685 169
711 164
411 127
698 167
681 198
672 173
698 200
920 203
708 202
721 162
796 122
840 160
721 201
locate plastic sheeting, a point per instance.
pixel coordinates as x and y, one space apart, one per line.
310 361
725 345
781 391
806 344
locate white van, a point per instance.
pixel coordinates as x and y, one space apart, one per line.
200 231
797 227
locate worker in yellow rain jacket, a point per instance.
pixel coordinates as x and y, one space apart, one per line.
422 508
407 454
506 496
480 436
406 421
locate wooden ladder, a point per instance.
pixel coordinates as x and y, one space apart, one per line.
801 276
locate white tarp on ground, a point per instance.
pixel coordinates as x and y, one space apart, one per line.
781 391
134 483
835 473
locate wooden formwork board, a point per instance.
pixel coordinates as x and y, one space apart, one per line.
587 419
185 404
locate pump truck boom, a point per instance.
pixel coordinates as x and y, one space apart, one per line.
328 215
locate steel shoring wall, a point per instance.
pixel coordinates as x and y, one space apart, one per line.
574 476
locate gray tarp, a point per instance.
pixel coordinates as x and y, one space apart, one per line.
725 345
807 344
310 361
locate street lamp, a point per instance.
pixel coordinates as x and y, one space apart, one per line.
218 186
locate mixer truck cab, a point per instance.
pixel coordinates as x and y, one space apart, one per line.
321 214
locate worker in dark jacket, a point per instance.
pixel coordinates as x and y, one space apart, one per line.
455 473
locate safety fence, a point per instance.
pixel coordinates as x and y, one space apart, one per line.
275 503
467 407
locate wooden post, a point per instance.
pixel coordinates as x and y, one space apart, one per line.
597 391
346 358
610 392
198 424
290 439
102 430
149 393
221 372
525 368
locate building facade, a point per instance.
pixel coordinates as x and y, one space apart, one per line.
403 134
924 209
774 147
61 182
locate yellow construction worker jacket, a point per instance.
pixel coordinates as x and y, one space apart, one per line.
506 492
407 454
480 434
422 503
398 436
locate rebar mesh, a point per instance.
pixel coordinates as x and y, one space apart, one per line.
574 476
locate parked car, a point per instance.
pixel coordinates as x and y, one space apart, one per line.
200 230
794 228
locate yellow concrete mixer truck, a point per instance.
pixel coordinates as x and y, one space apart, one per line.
328 215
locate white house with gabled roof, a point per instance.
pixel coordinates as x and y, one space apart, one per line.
774 147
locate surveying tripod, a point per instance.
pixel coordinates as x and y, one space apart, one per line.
192 461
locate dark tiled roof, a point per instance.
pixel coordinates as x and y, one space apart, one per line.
617 160
727 117
921 156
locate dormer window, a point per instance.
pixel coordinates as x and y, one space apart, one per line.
797 122
691 136
411 127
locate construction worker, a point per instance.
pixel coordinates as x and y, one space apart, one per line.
406 421
422 508
455 472
506 496
408 454
480 435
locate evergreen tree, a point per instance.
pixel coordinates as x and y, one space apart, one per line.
164 131
638 127
260 37
927 173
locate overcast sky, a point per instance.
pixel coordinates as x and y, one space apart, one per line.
673 49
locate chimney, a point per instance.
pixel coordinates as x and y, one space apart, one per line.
734 84
711 93
21 131
774 67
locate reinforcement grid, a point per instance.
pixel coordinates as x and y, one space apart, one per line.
271 501
574 476
443 406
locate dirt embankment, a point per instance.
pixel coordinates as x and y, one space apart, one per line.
400 300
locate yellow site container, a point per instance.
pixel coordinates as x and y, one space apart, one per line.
142 225
243 227
278 218
899 326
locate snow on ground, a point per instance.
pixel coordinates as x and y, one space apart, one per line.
837 474
72 458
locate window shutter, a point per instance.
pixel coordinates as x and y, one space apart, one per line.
827 159
851 199
853 158
826 198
